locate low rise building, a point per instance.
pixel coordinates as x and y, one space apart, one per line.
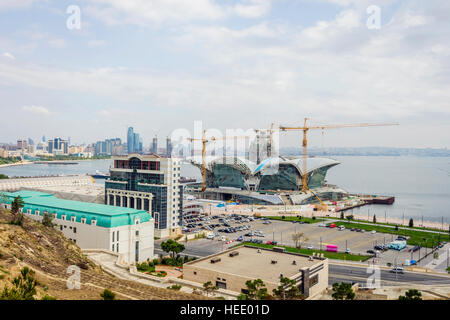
126 231
232 268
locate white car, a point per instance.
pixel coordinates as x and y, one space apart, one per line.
348 250
223 238
397 270
310 247
321 225
373 232
210 236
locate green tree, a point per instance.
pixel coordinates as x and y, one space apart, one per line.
287 289
411 223
16 205
374 219
350 217
2 176
47 220
412 294
256 289
172 247
342 215
208 288
24 287
108 295
343 291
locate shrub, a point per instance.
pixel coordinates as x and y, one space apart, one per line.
174 287
108 295
47 297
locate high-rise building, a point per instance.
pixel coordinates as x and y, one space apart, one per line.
130 140
150 183
168 147
108 147
154 147
58 146
22 144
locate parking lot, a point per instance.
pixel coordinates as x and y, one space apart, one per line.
228 229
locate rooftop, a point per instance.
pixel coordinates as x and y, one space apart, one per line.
106 216
250 263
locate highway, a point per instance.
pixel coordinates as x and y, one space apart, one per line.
346 273
337 272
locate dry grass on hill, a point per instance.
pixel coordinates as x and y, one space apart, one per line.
49 254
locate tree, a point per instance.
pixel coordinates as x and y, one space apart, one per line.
208 288
411 223
47 220
24 287
256 289
299 238
172 247
342 214
16 205
411 294
374 218
108 295
287 289
343 291
350 217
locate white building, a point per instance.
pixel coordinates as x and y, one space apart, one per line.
126 231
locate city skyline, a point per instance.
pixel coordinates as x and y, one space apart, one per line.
231 64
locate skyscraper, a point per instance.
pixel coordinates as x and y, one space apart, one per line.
130 140
154 148
168 147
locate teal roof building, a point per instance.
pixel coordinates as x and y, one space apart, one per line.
105 216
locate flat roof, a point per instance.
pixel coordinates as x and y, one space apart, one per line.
252 265
107 216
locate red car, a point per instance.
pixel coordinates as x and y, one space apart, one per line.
332 225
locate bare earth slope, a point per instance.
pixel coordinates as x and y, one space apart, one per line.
49 254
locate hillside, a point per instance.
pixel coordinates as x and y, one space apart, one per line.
49 254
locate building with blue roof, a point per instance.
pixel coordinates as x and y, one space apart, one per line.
126 231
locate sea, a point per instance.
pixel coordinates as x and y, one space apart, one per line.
421 185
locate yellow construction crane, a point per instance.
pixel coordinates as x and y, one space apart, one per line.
204 141
305 130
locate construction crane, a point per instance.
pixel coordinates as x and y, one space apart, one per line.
305 130
204 141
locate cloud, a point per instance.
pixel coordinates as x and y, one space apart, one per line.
96 43
157 12
9 56
39 110
14 4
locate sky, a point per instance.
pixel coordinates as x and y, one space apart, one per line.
160 65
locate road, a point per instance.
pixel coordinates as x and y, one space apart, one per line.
346 273
337 272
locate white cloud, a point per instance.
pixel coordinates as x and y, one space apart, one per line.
9 56
39 110
96 43
145 12
8 4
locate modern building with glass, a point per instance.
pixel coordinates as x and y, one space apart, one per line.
150 183
268 181
126 231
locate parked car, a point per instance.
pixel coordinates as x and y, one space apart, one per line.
321 225
240 238
310 247
370 251
348 250
373 232
210 236
223 238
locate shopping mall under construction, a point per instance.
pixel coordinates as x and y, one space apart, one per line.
276 180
